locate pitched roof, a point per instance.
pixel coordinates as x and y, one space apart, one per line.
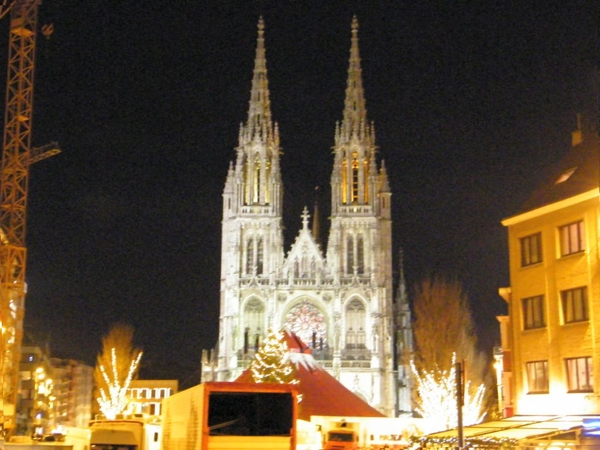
322 394
575 174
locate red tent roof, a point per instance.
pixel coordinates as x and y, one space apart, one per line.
322 394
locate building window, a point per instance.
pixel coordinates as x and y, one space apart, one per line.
344 181
360 255
574 305
533 312
349 255
254 256
537 377
308 323
355 323
256 180
254 320
259 256
531 249
572 239
355 178
249 256
580 377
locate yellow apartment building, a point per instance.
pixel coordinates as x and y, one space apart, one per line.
146 396
551 337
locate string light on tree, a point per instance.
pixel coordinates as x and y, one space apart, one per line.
437 398
113 400
499 443
116 366
271 364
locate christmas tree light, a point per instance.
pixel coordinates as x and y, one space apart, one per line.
114 399
437 399
271 364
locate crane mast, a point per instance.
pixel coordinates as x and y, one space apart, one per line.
17 156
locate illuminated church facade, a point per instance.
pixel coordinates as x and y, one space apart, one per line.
337 300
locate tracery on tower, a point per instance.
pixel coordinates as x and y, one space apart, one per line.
355 254
252 257
257 174
355 335
253 320
355 170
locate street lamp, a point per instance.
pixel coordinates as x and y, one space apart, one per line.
498 365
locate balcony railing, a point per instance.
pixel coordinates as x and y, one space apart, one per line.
324 358
246 281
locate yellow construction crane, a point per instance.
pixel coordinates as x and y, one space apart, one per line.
17 156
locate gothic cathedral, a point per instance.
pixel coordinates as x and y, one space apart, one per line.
338 302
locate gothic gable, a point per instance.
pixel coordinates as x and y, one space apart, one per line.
304 259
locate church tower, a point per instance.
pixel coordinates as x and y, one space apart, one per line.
360 240
252 243
404 344
339 302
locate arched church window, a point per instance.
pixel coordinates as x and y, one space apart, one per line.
355 177
361 338
304 266
360 255
250 256
355 324
296 268
365 184
308 323
349 254
350 338
259 256
256 180
267 177
246 174
344 180
254 320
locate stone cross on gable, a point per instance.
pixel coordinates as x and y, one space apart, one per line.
305 217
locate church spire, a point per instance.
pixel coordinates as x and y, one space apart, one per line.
355 113
257 167
354 178
259 111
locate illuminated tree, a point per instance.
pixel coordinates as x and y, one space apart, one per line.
116 366
271 363
438 404
444 333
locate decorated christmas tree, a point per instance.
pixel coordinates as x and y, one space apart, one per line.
271 363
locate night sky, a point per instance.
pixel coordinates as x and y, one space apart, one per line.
471 102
